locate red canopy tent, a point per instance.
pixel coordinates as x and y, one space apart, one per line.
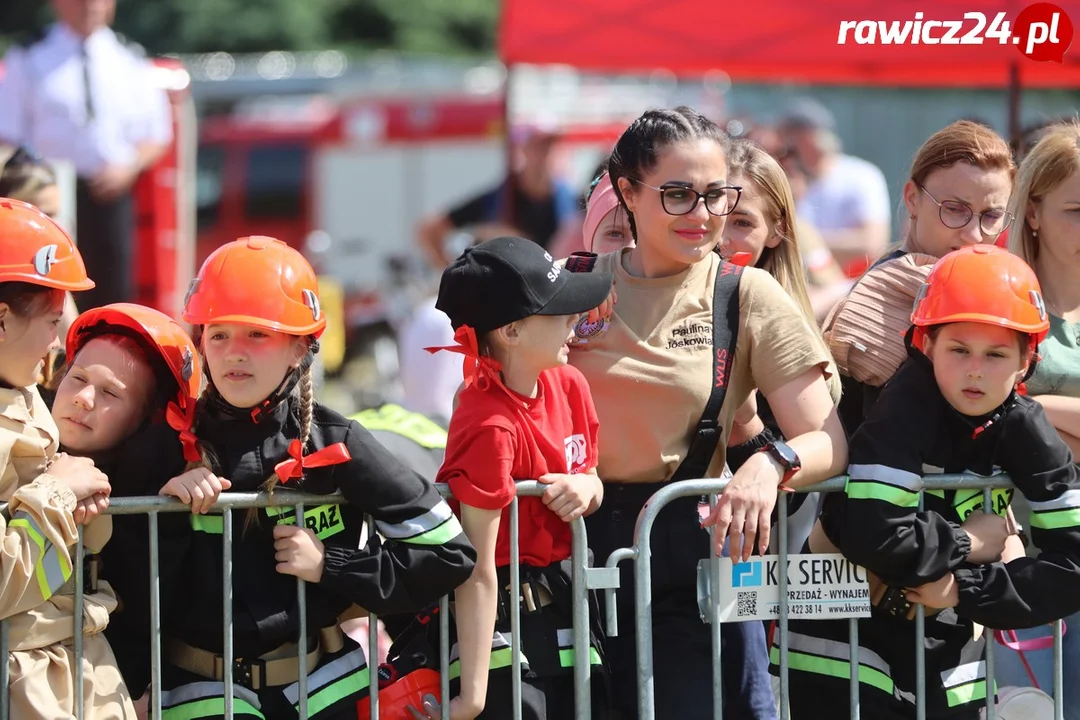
775 40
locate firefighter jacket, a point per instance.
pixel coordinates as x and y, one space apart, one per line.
39 532
913 431
418 554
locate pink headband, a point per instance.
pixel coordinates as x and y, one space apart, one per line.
602 201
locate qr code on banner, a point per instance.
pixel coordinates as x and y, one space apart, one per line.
747 604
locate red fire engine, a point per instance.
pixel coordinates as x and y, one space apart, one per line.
347 182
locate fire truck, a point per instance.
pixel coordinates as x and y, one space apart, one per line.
347 181
165 202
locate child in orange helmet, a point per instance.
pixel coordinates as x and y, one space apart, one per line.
132 377
257 318
953 407
42 489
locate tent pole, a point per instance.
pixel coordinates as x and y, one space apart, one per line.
1014 105
508 139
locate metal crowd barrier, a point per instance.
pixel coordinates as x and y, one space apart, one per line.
641 555
585 579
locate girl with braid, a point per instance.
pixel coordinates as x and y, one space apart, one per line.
255 311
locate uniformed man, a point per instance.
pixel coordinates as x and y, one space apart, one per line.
79 92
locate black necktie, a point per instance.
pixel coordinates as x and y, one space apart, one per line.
86 83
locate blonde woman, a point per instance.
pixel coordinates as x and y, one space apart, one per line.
763 225
1046 205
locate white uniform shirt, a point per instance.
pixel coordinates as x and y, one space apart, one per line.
851 193
43 100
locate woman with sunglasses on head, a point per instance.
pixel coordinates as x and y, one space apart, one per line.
956 195
649 361
25 176
606 227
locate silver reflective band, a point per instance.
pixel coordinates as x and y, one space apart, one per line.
888 475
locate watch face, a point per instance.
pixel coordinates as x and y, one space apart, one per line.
786 454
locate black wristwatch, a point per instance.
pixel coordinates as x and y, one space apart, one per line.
787 458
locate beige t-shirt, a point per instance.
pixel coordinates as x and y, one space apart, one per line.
651 371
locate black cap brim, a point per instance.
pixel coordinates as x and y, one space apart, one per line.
581 293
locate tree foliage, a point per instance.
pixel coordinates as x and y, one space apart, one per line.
441 27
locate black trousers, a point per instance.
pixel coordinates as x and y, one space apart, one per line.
682 644
106 238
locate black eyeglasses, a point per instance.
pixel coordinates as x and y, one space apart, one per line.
680 200
956 215
24 155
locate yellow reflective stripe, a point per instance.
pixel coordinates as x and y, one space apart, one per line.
396 419
1055 520
52 569
1061 512
965 683
439 536
31 528
869 490
565 638
885 483
499 659
209 524
53 565
967 693
338 690
566 657
330 673
833 668
210 708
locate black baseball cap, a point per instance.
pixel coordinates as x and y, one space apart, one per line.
510 278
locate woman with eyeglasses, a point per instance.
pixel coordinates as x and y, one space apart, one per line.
652 368
957 195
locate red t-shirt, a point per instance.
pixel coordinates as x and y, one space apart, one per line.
497 437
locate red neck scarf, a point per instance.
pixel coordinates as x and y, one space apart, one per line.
476 368
181 420
294 466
